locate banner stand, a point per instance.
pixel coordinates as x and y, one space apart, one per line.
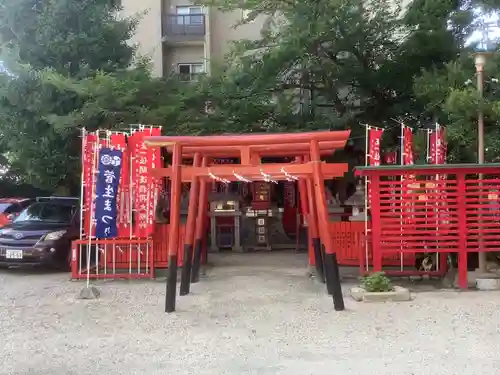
118 203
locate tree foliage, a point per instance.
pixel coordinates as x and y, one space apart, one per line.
450 93
69 65
72 39
327 64
319 64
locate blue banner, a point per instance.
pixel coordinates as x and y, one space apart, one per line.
107 183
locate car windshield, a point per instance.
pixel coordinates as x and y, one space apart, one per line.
47 212
4 206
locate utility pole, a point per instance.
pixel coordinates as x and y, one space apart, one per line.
480 61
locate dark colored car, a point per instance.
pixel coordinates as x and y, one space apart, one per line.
10 208
41 234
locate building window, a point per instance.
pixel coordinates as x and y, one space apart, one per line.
189 15
190 72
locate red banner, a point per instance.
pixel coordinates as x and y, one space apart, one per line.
145 188
437 147
88 165
408 146
408 159
141 196
390 157
408 150
374 138
119 142
140 183
437 155
154 161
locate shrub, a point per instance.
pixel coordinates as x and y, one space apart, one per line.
376 282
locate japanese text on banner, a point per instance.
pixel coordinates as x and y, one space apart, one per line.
89 149
408 182
107 184
141 186
118 142
154 161
390 157
437 155
145 187
374 138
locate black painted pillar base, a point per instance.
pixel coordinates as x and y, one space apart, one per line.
195 272
333 281
327 269
171 284
186 270
318 259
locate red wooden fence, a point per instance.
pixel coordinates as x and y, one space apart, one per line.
429 209
349 242
117 259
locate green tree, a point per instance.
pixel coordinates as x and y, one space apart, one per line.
451 97
350 62
338 63
72 39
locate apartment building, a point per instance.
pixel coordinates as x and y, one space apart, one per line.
180 36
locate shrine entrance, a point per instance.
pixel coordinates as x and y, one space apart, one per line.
301 168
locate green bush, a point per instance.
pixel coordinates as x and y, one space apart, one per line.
376 282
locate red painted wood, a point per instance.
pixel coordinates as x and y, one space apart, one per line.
349 242
161 242
291 139
450 212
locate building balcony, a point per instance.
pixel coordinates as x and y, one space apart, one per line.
184 28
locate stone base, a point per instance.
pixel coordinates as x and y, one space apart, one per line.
473 276
89 293
488 283
399 294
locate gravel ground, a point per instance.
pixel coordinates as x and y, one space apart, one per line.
240 320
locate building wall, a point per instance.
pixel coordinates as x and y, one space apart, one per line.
223 31
181 54
220 31
148 37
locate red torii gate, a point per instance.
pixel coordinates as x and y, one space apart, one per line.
307 149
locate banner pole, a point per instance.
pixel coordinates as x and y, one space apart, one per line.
84 143
367 258
438 188
105 249
402 148
91 220
132 157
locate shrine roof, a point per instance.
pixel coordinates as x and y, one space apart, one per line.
249 139
469 168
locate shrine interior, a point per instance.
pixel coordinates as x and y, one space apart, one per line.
266 216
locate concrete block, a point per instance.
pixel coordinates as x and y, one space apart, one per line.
89 293
473 276
399 294
488 283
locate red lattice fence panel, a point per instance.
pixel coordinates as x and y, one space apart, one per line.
482 207
417 214
353 250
